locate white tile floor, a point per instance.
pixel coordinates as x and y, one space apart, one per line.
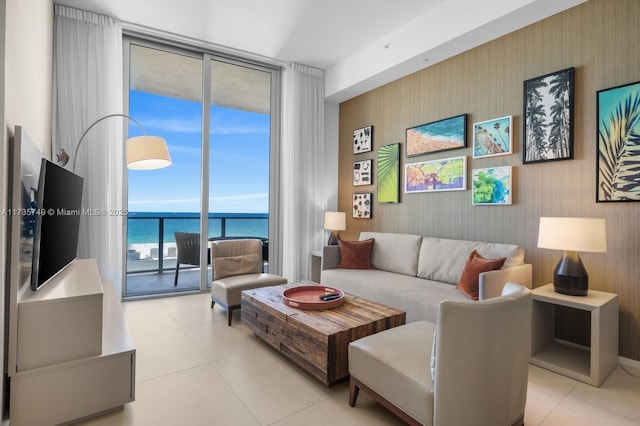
194 370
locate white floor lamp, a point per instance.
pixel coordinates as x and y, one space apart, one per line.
142 152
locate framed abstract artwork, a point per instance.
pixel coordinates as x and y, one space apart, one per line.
441 135
448 174
362 205
363 172
363 140
389 173
548 117
491 186
618 155
493 137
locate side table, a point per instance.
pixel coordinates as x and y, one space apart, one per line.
591 365
316 266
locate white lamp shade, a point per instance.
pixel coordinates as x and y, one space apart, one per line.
573 234
335 221
147 152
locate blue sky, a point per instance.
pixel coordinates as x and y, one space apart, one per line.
239 158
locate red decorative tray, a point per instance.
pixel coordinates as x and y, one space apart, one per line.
308 297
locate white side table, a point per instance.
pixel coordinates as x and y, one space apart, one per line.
590 365
316 266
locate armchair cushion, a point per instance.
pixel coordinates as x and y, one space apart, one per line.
476 264
236 265
355 254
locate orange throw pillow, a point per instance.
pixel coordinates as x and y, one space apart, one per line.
476 264
355 254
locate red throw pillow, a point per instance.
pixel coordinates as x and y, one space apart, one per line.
476 264
355 254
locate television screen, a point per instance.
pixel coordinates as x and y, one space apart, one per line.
58 201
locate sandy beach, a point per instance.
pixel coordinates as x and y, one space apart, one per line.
418 144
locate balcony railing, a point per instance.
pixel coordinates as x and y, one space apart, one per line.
151 245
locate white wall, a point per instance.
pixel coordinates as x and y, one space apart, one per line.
26 52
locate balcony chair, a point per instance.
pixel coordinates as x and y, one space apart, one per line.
237 266
188 245
471 368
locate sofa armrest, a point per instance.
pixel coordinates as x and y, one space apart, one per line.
491 283
330 257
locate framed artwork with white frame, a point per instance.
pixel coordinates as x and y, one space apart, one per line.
493 137
491 186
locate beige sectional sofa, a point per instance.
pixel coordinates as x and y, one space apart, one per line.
415 273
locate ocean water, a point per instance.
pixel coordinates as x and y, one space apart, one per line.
144 227
451 129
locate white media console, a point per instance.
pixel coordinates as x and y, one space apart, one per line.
74 355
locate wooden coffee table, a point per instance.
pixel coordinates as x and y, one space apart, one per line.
315 340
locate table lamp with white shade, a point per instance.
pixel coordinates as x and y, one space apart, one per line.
572 235
334 222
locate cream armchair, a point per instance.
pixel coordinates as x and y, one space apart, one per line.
471 368
237 266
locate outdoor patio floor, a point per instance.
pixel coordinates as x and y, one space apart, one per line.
152 283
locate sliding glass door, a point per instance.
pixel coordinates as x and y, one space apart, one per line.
221 162
240 133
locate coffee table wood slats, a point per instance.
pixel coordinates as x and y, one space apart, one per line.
315 340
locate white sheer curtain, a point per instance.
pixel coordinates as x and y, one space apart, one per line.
87 86
302 197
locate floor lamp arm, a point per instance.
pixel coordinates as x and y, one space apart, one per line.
75 154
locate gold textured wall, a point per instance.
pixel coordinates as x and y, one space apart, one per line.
601 40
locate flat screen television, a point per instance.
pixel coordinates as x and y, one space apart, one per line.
57 224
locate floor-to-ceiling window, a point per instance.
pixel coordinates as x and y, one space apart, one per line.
240 129
220 152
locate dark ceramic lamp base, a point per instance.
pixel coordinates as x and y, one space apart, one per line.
333 238
570 276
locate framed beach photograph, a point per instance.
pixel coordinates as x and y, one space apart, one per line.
491 186
363 140
389 173
363 172
493 137
618 164
441 135
448 174
548 117
362 205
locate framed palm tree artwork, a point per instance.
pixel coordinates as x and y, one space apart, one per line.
389 173
548 117
618 168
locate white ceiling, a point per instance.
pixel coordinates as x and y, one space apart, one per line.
360 43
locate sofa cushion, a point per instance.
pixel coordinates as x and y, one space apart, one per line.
443 259
236 265
395 252
476 264
355 254
419 298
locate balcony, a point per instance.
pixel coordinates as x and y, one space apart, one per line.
152 252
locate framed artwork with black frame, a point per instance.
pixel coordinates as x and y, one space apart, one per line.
618 150
441 135
548 117
389 173
362 205
363 172
363 140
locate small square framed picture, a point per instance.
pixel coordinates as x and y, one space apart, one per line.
362 205
363 173
363 140
493 137
491 186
